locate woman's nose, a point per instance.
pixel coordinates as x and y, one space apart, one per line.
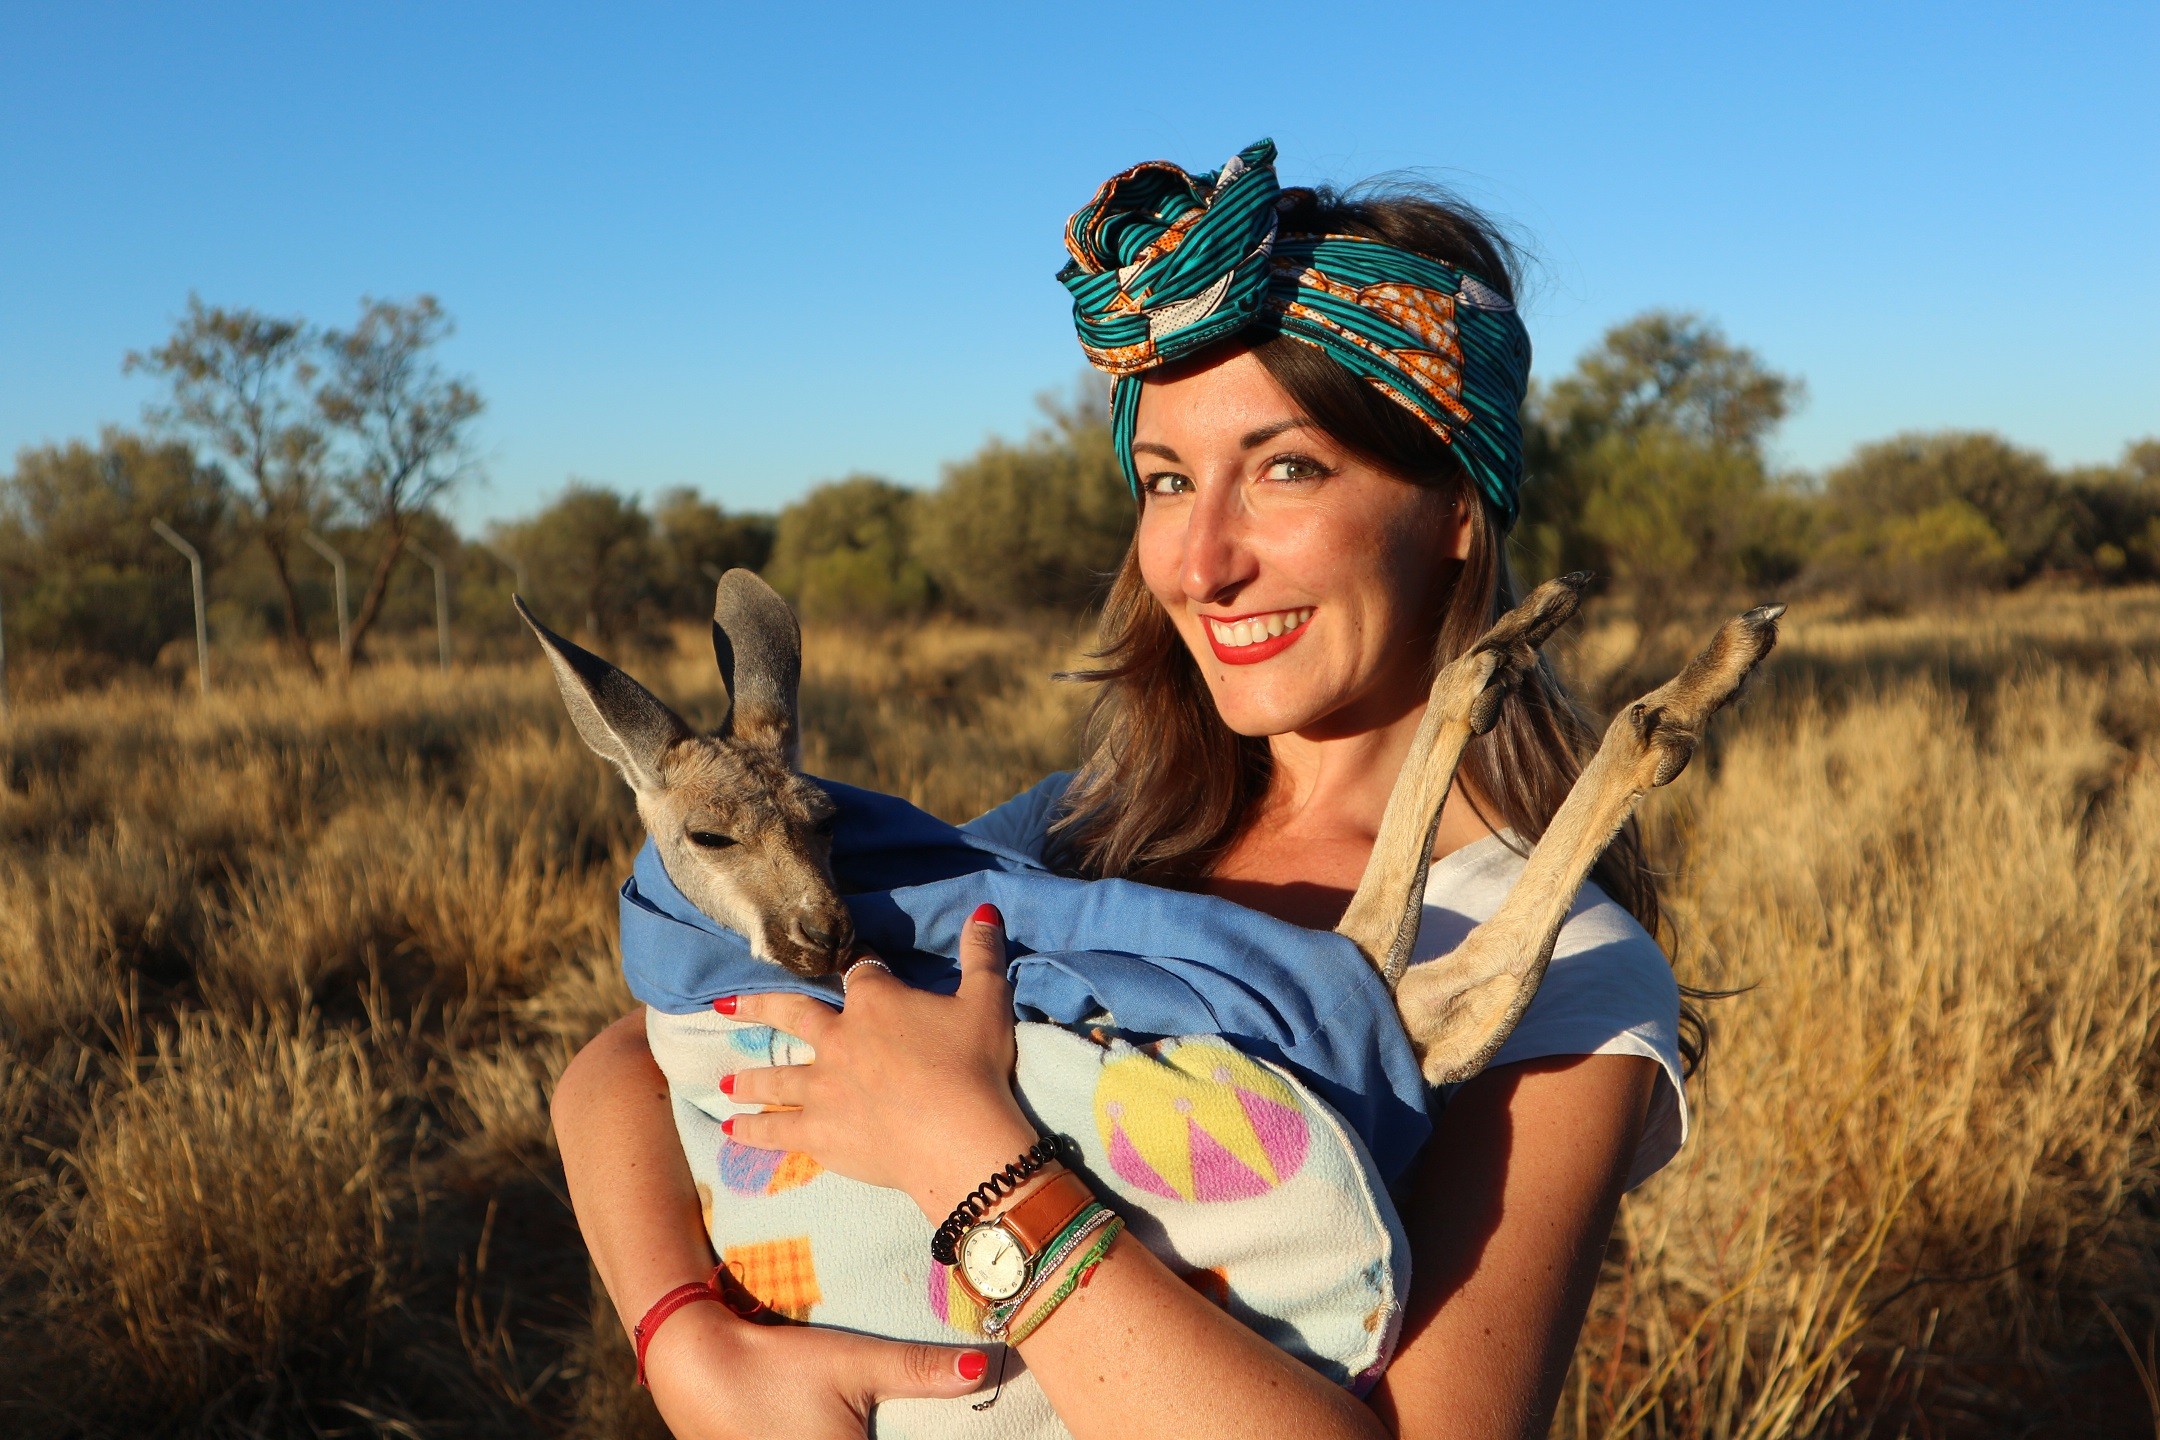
1218 558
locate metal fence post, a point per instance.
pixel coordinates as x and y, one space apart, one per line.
442 598
337 568
512 564
202 624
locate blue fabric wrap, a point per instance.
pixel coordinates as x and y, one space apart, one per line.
1161 962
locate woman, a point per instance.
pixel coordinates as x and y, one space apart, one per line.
1316 408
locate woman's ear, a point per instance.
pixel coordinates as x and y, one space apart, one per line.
1455 531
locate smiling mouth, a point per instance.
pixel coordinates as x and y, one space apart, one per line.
1249 639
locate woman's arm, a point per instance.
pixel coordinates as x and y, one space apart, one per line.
712 1375
1508 1217
1508 1214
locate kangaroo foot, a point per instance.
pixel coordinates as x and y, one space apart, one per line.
1668 723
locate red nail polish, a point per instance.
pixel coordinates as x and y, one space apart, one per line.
727 1083
972 1363
725 1004
987 914
727 1126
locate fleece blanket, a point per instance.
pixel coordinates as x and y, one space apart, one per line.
1238 1088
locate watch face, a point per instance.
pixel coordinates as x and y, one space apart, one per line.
993 1263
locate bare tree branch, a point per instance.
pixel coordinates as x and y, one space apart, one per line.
404 423
238 385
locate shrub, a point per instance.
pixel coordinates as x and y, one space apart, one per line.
1036 526
846 550
81 566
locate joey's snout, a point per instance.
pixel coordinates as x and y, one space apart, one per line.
816 938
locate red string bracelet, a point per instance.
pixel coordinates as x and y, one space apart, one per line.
688 1294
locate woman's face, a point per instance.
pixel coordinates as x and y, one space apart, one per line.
1303 579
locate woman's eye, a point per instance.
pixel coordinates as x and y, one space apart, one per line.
1295 467
1169 483
711 840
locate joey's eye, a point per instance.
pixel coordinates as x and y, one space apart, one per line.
711 840
1169 482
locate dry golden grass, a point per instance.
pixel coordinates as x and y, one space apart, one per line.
284 979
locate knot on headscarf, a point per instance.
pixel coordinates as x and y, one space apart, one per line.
1165 264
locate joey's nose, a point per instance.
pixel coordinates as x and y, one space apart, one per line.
819 937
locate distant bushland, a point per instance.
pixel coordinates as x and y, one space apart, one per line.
1648 463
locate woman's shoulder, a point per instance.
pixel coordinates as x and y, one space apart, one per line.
1608 990
1022 824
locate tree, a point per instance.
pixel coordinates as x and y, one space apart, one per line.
1647 463
404 424
1681 521
1875 495
696 538
238 385
1038 525
1674 372
82 569
845 550
2115 513
588 557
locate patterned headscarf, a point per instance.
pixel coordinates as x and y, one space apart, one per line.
1165 263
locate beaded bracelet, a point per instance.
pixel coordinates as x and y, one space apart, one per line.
1089 1259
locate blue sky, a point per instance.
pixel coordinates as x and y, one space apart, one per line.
749 248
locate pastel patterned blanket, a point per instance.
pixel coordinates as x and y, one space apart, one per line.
1238 1089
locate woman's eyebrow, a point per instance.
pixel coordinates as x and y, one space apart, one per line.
1266 433
1151 448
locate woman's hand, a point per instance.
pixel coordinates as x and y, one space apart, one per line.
717 1377
713 1374
910 1090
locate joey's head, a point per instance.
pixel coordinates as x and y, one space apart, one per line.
742 833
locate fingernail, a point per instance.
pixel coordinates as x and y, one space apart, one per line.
725 1004
727 1126
972 1363
727 1083
987 914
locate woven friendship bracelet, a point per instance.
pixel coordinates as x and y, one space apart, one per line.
1077 1277
1071 1238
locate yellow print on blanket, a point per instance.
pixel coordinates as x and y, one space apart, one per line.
779 1272
1196 1120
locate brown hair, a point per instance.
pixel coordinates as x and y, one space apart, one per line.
1167 787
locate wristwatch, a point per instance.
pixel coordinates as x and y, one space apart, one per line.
997 1256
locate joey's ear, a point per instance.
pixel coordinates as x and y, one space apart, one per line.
759 647
619 718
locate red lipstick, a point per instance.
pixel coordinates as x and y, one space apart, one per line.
1254 653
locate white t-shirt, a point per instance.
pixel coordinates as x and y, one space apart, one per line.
1607 991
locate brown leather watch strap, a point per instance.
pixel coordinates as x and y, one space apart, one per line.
1045 1210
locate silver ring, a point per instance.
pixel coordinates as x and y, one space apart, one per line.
849 973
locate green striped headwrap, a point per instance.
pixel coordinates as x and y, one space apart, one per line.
1165 264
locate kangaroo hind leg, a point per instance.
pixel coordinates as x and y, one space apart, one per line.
1460 1008
1465 700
